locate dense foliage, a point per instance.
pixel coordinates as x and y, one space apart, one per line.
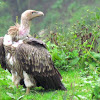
71 30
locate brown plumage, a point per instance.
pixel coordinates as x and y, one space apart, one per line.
33 60
2 54
14 31
38 62
29 61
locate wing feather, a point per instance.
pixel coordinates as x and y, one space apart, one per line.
2 54
36 60
34 42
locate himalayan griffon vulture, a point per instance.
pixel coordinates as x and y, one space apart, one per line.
27 58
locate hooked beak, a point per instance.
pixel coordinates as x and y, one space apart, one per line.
40 13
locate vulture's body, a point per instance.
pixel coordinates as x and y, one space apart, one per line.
32 62
28 60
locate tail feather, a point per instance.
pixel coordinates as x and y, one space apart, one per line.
51 82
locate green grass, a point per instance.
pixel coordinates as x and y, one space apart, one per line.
77 88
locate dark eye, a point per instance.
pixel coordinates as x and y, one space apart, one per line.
33 12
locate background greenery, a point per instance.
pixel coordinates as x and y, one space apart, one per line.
71 30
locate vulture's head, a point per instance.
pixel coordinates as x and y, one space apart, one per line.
21 31
30 14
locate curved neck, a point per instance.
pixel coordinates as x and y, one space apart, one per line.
24 29
25 24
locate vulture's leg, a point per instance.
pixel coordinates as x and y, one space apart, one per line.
29 82
15 78
17 81
27 90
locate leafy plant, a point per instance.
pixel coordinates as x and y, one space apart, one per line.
96 91
57 56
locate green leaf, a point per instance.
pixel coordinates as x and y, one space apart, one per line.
11 95
74 61
95 55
